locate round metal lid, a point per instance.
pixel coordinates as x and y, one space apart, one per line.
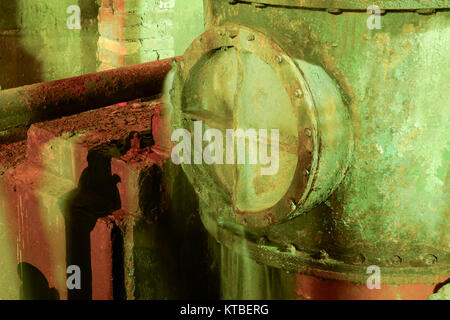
235 78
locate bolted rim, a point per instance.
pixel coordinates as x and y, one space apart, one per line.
302 103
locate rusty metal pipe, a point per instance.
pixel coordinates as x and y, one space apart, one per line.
23 106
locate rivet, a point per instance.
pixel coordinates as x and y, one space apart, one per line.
298 93
263 241
233 34
291 248
359 258
323 255
279 59
396 260
430 259
251 37
293 205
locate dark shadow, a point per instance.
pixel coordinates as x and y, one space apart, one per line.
34 284
89 34
198 278
97 196
17 66
440 285
181 267
118 269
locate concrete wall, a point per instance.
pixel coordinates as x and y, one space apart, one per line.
37 45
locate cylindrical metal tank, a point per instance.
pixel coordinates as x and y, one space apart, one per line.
361 102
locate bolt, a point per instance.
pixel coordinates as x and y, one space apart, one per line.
359 258
233 34
251 37
291 248
279 59
293 205
298 93
308 132
396 260
263 241
323 255
430 259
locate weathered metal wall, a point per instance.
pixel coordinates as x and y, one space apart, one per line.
391 207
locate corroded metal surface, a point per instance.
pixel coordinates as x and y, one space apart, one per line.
20 107
391 207
314 151
360 5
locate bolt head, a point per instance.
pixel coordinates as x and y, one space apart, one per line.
396 260
293 205
430 259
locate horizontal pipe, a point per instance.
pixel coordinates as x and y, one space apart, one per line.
23 106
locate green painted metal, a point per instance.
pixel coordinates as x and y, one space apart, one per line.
353 4
303 104
391 208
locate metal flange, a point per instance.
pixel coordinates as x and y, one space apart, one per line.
314 151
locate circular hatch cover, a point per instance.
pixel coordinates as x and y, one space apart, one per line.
252 123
